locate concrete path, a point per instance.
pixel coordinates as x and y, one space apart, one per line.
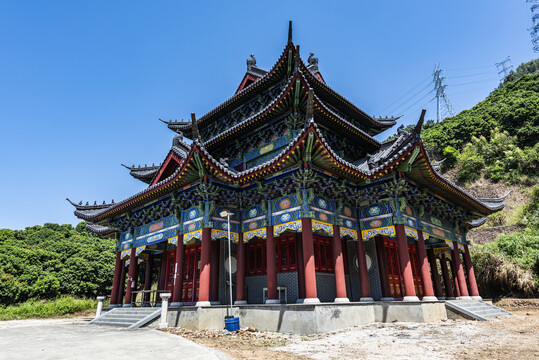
74 339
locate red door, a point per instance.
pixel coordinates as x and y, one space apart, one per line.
191 274
171 262
393 268
416 270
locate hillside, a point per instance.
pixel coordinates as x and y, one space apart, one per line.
46 261
490 149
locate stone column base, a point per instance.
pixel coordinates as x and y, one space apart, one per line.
342 300
240 302
429 298
203 303
464 298
311 301
410 298
366 299
273 301
477 298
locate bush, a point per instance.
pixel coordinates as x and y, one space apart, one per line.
44 309
10 289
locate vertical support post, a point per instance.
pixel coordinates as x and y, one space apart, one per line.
131 278
240 272
178 274
205 269
311 296
425 270
271 267
116 281
148 280
405 264
301 268
435 276
474 291
382 268
455 278
460 272
449 294
338 266
214 271
99 306
363 270
163 323
121 286
162 282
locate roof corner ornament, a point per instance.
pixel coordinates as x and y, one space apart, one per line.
251 62
194 127
290 31
312 60
401 131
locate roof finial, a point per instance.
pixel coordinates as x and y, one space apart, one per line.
290 31
297 58
194 126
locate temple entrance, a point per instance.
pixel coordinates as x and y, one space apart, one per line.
191 274
393 268
396 282
171 262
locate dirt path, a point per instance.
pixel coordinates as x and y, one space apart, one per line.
515 337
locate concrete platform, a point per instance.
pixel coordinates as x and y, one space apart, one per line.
308 318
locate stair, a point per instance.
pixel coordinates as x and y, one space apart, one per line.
130 318
476 309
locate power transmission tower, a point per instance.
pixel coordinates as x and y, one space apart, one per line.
441 96
505 68
534 30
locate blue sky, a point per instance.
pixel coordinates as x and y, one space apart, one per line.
83 84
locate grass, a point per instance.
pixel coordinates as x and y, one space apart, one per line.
47 308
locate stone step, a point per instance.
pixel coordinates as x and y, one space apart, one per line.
476 309
130 318
110 323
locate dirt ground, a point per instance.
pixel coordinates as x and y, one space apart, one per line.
514 337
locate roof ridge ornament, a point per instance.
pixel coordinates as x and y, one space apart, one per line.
194 127
251 62
290 32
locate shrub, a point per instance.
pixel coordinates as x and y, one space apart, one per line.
43 309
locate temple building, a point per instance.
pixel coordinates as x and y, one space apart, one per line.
321 210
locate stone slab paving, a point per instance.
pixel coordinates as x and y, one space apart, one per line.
73 339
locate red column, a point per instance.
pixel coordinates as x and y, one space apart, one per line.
362 269
405 264
455 278
178 274
338 265
449 294
474 291
148 280
131 281
205 269
240 272
382 268
301 267
435 275
460 271
214 271
116 280
121 286
162 276
308 261
425 270
271 266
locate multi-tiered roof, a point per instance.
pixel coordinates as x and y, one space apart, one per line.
275 120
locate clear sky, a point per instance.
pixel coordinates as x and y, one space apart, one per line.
83 83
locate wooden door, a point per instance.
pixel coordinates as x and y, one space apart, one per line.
191 274
171 262
416 270
393 268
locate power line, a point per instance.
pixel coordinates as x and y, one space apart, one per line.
406 94
441 96
505 68
411 98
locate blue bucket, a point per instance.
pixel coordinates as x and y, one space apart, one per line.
232 323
